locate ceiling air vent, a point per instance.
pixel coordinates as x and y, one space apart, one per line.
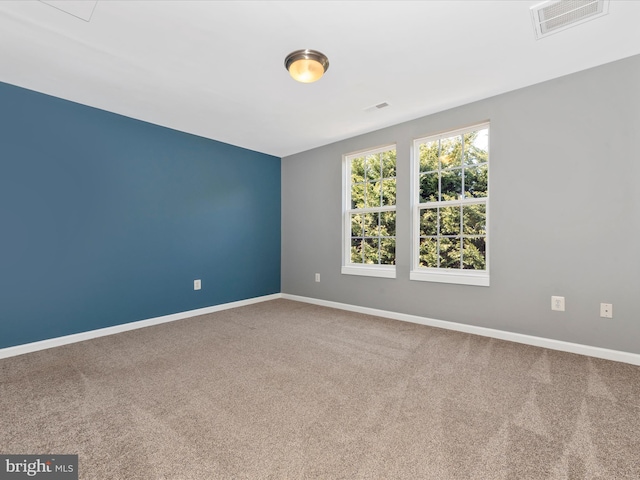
556 15
377 106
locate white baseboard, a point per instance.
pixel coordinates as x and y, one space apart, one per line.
79 337
607 354
615 355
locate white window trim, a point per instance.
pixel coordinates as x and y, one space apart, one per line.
441 275
367 270
448 276
370 270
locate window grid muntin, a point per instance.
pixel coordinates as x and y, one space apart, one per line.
461 235
352 210
463 199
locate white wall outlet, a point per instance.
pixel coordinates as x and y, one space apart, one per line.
197 284
557 304
317 277
606 310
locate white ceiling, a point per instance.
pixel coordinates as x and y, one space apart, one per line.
215 68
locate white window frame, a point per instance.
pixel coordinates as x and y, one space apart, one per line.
348 268
442 275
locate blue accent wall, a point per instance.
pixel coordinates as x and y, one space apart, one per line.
106 220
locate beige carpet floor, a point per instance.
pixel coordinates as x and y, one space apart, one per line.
286 390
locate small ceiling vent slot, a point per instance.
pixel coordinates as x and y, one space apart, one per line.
377 106
556 15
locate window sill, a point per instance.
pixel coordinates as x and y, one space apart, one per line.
383 271
448 276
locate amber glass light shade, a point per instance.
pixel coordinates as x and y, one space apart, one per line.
306 66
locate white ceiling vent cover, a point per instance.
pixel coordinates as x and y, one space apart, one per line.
556 15
377 106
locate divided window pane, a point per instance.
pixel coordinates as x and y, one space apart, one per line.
371 212
451 198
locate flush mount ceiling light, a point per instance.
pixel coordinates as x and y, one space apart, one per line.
306 66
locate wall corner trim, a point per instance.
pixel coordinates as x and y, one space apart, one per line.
102 332
597 352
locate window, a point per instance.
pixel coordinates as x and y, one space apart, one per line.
450 207
369 231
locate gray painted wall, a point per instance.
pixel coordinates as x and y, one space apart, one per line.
565 214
